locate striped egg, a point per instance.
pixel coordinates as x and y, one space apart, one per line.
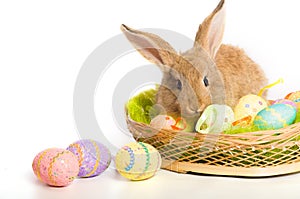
93 157
275 116
55 167
295 97
137 161
285 101
216 118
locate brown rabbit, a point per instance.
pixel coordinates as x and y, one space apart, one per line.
207 73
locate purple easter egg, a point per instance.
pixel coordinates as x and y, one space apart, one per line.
285 101
93 157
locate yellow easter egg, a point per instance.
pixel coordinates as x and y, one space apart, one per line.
137 161
249 105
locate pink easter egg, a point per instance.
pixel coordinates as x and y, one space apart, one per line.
163 122
55 167
285 101
295 97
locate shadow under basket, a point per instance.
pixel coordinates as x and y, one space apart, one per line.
252 154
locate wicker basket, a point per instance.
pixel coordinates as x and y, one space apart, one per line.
253 154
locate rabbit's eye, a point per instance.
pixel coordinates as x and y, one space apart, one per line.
205 81
178 84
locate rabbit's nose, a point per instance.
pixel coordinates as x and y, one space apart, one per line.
190 112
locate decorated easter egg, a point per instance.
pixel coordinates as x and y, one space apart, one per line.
295 97
249 105
285 101
215 119
137 161
55 167
93 157
163 122
275 117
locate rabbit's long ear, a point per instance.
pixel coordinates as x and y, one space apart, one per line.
210 32
151 46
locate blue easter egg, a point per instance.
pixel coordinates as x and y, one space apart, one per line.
275 116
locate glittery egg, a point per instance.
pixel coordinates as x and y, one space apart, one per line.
162 122
249 105
215 119
55 167
295 97
275 117
93 157
137 161
285 101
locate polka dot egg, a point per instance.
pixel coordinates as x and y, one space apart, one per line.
55 167
93 157
249 105
137 161
275 117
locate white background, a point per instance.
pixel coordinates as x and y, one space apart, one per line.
42 47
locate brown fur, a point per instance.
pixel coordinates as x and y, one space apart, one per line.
230 72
